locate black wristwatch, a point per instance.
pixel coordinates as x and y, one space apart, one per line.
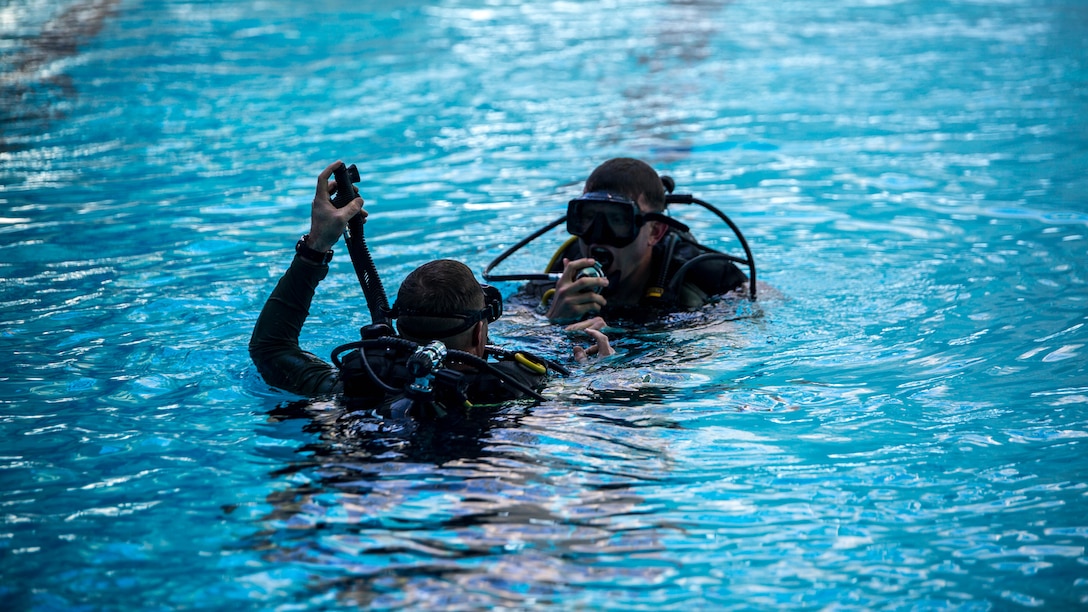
304 251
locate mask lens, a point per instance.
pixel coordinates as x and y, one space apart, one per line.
579 218
604 221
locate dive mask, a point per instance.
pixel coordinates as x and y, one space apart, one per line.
600 217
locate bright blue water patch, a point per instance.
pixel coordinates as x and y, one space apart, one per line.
896 424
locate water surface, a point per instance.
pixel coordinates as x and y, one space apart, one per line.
898 424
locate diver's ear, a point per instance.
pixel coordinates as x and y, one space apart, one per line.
479 338
657 232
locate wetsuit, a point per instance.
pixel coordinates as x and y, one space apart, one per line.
685 276
275 351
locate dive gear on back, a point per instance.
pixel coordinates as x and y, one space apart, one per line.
388 370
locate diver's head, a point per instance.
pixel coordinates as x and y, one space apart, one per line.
614 221
633 179
441 300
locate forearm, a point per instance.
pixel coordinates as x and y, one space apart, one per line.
274 344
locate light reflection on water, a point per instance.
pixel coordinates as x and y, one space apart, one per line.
897 422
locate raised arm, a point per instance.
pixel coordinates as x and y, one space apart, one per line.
274 344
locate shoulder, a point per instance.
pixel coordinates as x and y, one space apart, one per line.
697 273
522 368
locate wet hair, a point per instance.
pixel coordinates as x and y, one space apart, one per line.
439 287
630 178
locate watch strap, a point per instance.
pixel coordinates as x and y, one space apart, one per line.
304 251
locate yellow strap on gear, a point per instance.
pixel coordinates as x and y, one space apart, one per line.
547 297
558 256
654 292
533 366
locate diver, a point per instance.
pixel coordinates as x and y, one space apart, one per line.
440 358
626 259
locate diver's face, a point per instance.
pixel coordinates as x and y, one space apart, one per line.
626 267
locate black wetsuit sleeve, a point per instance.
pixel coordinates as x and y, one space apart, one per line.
274 344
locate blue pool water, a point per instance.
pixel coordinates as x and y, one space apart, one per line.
897 424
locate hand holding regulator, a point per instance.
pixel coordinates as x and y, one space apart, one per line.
594 271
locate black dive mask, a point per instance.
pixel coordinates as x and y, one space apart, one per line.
600 217
491 312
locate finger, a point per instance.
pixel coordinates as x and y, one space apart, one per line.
590 284
323 178
571 268
603 348
333 186
579 326
590 300
353 208
580 354
595 323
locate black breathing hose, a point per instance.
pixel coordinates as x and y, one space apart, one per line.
489 277
750 261
361 260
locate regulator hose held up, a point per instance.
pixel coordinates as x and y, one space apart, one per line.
365 270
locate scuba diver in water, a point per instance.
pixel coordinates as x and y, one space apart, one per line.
626 259
440 362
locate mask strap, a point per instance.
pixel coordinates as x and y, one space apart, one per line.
673 223
467 321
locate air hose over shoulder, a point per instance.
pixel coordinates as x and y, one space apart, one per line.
670 198
423 354
748 259
373 291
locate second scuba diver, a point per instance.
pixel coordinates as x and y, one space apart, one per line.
441 361
627 259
